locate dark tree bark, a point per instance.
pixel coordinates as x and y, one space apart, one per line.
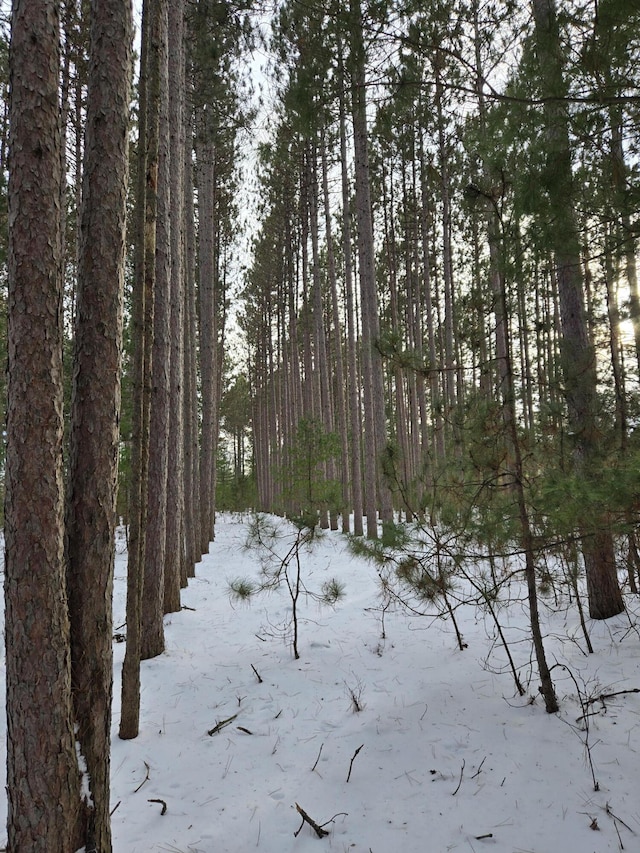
353 396
175 556
435 387
152 609
153 14
339 393
576 349
376 490
95 411
43 784
208 333
526 533
191 432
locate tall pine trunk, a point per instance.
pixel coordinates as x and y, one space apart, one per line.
43 784
152 633
191 431
208 329
576 349
353 374
339 390
377 492
175 556
153 18
95 407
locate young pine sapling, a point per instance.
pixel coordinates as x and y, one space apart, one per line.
281 548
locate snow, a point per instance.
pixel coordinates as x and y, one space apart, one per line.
451 758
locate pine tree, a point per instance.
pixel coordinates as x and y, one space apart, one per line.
577 354
43 781
91 515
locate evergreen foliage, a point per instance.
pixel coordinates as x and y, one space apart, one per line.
280 547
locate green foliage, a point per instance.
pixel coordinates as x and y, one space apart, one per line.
397 355
235 485
394 535
242 589
281 546
565 502
413 572
369 549
235 406
332 591
307 490
415 556
234 494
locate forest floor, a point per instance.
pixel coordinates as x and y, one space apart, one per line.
443 755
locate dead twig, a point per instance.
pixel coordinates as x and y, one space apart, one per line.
163 810
219 726
242 729
146 778
353 758
257 674
602 696
617 819
318 758
460 780
479 770
319 831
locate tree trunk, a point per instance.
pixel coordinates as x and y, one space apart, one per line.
208 329
526 533
152 611
376 490
325 400
355 419
430 299
341 415
153 15
175 556
43 784
192 439
450 371
576 351
91 511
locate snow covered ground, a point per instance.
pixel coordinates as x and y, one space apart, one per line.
443 755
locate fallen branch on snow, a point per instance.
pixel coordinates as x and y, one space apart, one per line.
219 726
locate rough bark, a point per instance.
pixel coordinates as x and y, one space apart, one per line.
95 408
43 784
376 490
152 609
208 332
435 388
175 557
321 361
355 421
153 14
339 393
192 440
450 369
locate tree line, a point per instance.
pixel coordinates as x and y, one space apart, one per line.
444 280
121 215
